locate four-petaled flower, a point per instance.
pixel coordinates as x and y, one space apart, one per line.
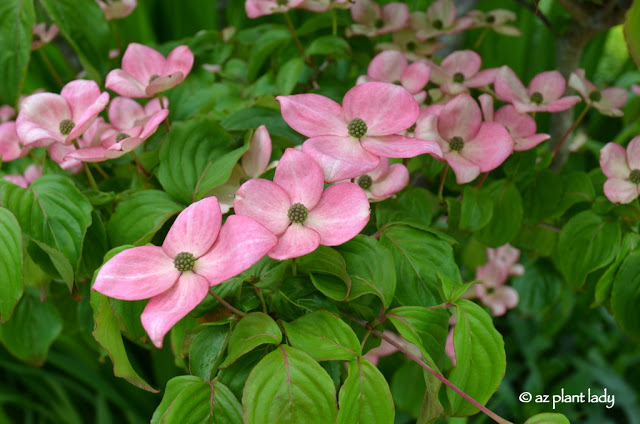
607 101
371 20
197 253
117 9
460 71
440 19
502 263
257 8
384 181
622 168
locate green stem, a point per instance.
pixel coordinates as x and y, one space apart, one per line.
259 294
50 67
479 40
442 178
100 170
484 177
92 181
334 22
570 130
140 165
292 30
226 304
294 268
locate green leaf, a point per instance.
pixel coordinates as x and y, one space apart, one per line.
632 31
476 210
548 418
507 214
327 45
539 288
12 284
51 211
195 157
418 255
450 291
328 272
605 282
288 386
365 396
542 195
84 27
59 262
253 117
425 328
32 329
17 18
370 267
138 217
578 188
587 242
264 47
128 313
481 360
324 337
253 330
288 75
625 295
207 349
190 400
414 206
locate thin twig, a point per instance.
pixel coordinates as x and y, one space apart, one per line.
570 130
259 294
226 304
536 11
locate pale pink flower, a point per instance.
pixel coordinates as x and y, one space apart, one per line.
544 93
46 118
6 113
371 20
10 147
117 9
30 174
521 126
413 49
348 141
622 168
145 72
469 145
460 71
253 163
387 349
257 8
636 89
391 66
44 35
295 207
196 254
324 5
449 346
384 181
440 19
607 101
89 149
502 263
496 20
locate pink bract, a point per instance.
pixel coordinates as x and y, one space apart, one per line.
117 9
384 181
10 147
636 89
347 141
257 8
371 20
30 174
6 113
502 263
608 101
145 72
324 5
414 49
496 20
44 35
544 93
46 118
460 71
196 254
622 168
440 19
391 66
295 207
470 146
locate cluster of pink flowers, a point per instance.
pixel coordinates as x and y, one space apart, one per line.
257 8
493 291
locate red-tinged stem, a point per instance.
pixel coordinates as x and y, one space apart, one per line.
140 165
480 38
442 178
296 39
497 418
49 66
166 120
226 304
570 130
484 177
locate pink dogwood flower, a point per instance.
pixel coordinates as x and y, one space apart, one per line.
145 72
496 20
253 163
636 89
295 207
622 168
502 263
391 66
544 93
348 141
387 349
607 101
257 8
521 126
196 254
6 113
47 118
30 174
44 35
440 19
406 42
460 71
117 9
470 146
324 5
89 148
371 20
384 181
10 147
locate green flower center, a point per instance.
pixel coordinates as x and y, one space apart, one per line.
458 77
121 137
456 144
595 96
184 261
411 46
379 23
437 24
364 182
536 98
298 213
634 177
153 77
490 19
357 128
66 125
